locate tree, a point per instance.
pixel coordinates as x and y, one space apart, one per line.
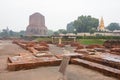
11 33
85 23
22 32
70 27
92 31
63 31
56 33
50 32
113 26
5 33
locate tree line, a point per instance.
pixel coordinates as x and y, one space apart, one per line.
80 25
6 33
88 24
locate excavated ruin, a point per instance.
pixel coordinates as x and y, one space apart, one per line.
113 45
96 57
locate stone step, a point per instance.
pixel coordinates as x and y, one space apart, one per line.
106 70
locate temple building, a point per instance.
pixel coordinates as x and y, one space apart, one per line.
101 26
36 25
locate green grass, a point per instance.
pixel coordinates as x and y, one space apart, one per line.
43 39
91 41
81 41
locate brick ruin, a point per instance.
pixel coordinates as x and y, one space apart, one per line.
96 57
113 45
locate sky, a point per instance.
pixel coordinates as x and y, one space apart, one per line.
14 14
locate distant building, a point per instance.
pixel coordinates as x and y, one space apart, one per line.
36 25
101 26
116 32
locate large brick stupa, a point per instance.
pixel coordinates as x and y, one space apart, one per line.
36 25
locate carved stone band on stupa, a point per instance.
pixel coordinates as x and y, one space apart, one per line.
36 25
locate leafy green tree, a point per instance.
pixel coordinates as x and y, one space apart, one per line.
113 26
11 33
56 33
85 23
50 32
92 31
63 31
70 27
22 32
5 33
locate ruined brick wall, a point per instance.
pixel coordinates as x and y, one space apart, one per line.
112 44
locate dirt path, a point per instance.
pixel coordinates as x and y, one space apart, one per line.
8 49
74 72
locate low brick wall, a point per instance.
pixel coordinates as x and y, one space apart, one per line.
98 67
31 65
101 61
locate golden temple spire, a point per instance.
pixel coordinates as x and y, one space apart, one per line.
101 26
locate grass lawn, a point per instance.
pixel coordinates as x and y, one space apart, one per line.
81 41
43 39
91 41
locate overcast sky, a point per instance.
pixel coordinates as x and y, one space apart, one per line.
58 13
